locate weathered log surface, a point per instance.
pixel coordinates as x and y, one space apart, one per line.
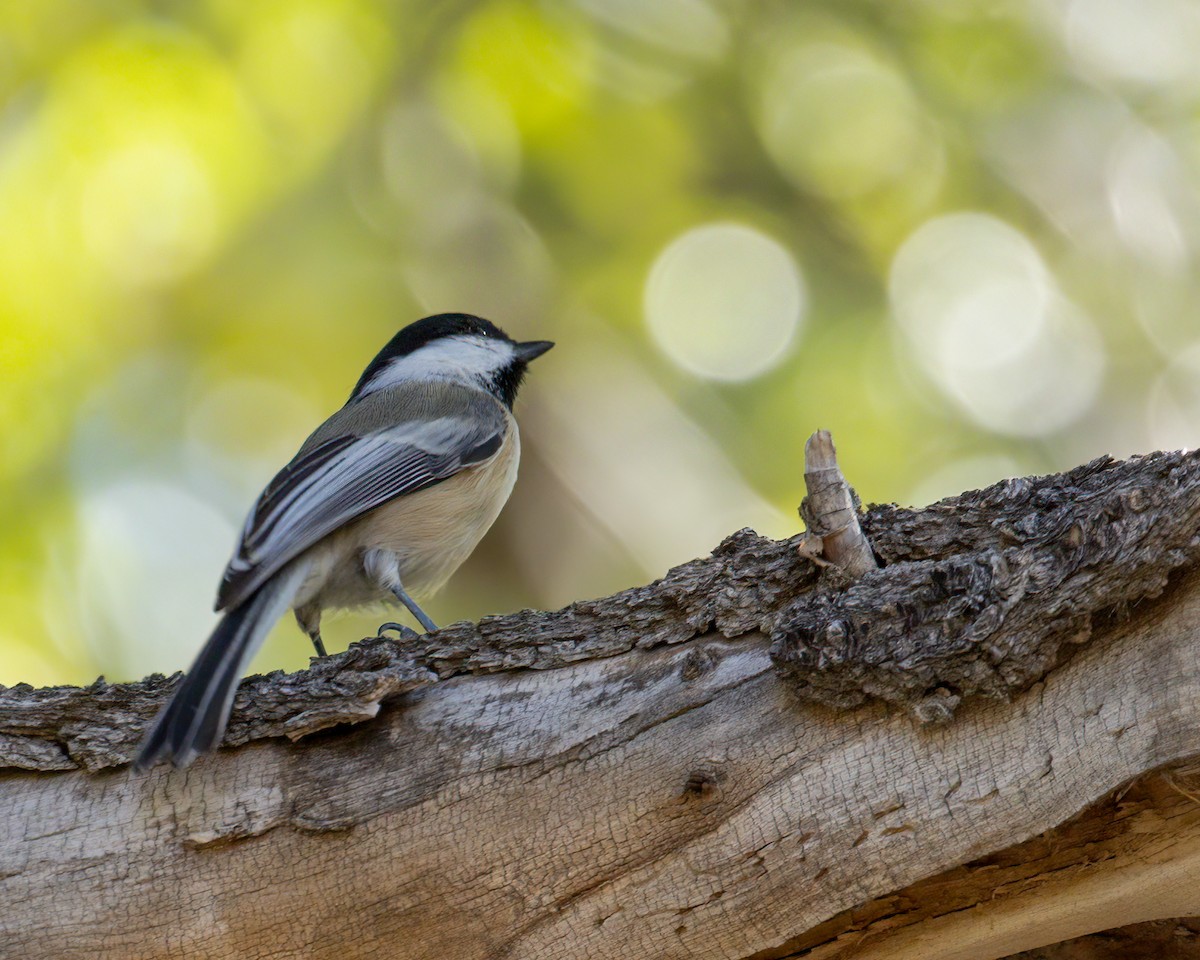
633 777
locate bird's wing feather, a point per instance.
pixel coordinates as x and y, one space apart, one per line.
336 479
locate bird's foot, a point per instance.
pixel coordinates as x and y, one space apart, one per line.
406 633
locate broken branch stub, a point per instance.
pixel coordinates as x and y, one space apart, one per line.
830 512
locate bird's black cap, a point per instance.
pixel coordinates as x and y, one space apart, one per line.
439 326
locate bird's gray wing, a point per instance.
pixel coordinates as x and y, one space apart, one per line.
338 476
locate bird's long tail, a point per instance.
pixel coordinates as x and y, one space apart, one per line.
194 719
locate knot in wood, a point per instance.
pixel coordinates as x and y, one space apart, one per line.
702 783
698 662
937 706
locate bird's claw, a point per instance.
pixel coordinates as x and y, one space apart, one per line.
406 633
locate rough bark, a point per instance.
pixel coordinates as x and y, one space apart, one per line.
724 763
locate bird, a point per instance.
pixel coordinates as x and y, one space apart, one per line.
384 500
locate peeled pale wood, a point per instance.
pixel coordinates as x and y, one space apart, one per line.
637 777
1175 939
1133 857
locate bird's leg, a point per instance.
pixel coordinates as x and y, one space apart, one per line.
383 567
309 618
408 633
416 611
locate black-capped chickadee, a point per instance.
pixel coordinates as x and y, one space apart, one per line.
386 498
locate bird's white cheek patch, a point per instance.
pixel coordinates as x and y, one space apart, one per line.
465 359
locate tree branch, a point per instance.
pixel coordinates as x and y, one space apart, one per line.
636 776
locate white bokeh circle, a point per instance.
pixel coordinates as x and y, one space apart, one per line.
984 319
725 301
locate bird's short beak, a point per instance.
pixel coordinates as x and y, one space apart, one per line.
532 349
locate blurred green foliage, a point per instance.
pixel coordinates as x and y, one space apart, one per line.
961 234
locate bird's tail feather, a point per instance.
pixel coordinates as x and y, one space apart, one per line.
194 719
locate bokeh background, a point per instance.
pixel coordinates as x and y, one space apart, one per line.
962 234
